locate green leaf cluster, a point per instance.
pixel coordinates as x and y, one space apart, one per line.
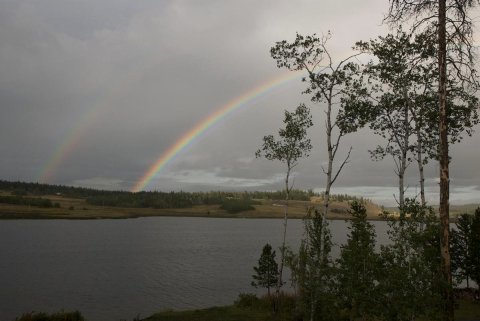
292 143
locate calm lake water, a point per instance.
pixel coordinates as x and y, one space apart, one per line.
113 270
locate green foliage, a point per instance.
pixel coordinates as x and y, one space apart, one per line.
293 143
409 282
285 302
466 248
30 201
474 247
266 273
346 198
461 252
294 194
23 188
314 269
237 205
247 300
358 266
59 316
398 95
327 81
401 281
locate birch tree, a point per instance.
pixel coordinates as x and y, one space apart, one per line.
291 145
326 80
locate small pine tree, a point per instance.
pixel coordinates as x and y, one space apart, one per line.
474 247
357 265
460 249
266 273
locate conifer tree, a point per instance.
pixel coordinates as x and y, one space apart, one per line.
357 266
266 273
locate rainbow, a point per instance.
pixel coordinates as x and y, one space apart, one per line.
82 126
68 144
190 136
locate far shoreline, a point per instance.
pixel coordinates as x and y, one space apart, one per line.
79 209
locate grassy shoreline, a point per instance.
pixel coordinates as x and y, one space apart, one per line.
79 209
466 311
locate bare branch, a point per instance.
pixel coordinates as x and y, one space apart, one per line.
345 161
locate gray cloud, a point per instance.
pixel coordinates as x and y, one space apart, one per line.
129 78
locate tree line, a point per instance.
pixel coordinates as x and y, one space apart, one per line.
231 201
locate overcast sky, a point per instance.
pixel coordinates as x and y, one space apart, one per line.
103 88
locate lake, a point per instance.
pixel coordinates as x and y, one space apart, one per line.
113 270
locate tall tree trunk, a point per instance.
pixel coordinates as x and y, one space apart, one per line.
285 219
420 166
326 200
443 156
401 184
403 157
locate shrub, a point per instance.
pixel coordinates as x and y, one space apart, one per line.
247 300
237 205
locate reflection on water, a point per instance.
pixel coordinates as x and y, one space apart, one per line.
113 270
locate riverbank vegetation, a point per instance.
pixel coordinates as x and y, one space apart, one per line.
399 280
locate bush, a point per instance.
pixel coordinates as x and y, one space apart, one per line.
247 300
237 205
59 316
